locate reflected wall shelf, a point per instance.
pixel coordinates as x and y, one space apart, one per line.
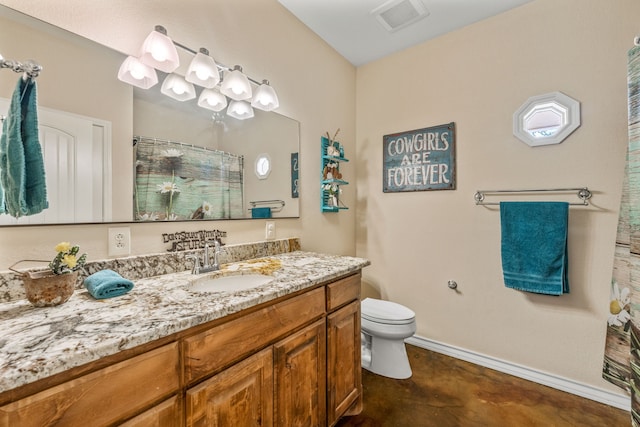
330 177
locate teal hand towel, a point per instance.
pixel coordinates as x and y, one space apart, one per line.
534 246
260 212
22 175
107 284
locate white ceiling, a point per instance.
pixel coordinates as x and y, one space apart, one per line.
350 28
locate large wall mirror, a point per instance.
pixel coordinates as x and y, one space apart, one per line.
115 150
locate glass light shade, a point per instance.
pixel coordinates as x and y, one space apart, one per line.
211 99
178 88
203 70
136 73
236 85
265 97
240 110
159 52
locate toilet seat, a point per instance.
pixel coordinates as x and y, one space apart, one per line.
386 312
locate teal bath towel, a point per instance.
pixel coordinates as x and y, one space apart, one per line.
107 284
534 246
260 212
23 189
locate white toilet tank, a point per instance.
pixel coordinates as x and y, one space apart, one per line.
386 312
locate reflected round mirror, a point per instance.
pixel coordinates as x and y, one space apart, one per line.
546 119
263 166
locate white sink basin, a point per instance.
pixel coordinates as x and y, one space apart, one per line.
233 283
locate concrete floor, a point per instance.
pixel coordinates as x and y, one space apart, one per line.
447 392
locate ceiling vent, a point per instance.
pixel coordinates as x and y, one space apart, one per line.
397 14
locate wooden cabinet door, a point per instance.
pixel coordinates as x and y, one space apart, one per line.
165 414
300 378
344 374
240 396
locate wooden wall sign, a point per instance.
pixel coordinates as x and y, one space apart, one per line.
295 172
420 160
186 240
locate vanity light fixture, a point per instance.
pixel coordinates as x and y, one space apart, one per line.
136 73
203 70
240 110
265 97
235 84
158 51
212 99
178 88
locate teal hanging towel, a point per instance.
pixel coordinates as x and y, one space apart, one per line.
23 188
534 246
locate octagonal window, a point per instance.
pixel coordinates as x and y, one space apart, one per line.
546 119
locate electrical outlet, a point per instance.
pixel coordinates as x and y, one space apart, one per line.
119 241
270 230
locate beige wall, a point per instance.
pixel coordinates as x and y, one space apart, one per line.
316 86
477 77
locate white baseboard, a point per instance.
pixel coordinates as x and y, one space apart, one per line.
621 401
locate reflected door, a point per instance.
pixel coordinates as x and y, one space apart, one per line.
77 157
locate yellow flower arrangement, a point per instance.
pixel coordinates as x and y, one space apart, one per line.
67 259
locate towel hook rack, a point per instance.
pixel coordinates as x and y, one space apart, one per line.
31 69
583 193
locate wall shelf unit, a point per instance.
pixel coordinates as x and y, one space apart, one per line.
330 176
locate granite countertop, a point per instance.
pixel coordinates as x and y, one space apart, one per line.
39 342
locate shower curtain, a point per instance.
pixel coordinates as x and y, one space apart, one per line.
175 181
622 349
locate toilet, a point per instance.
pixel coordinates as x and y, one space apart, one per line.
384 326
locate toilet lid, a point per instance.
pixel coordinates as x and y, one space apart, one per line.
387 312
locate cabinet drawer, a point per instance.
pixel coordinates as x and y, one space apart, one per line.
165 414
212 350
102 397
343 291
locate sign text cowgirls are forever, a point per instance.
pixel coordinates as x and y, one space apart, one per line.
420 160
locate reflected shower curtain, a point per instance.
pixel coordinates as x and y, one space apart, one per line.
175 181
622 348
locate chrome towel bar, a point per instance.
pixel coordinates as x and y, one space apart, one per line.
583 194
277 204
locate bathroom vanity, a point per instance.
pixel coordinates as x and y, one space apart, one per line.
283 354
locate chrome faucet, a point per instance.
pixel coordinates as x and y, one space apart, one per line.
206 265
216 254
205 258
196 263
